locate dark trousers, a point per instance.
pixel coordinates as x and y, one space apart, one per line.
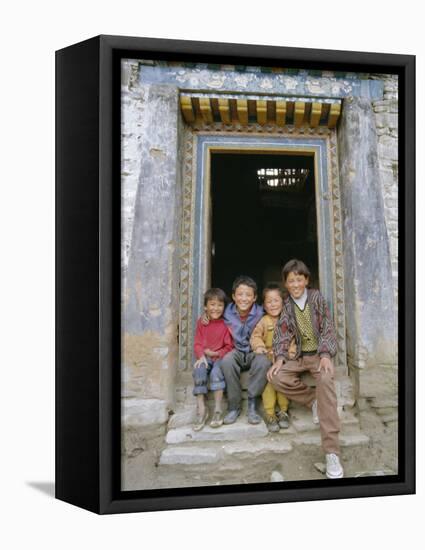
236 362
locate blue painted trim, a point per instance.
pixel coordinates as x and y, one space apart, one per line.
323 206
201 78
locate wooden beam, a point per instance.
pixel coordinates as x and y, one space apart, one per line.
261 105
205 108
316 113
242 108
334 113
187 108
224 108
299 109
280 113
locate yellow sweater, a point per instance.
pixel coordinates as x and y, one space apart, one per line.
262 336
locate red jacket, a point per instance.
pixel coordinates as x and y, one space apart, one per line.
214 336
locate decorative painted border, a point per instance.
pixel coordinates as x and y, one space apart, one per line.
189 232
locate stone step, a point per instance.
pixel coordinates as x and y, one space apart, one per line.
191 454
207 448
188 455
240 430
345 440
256 448
181 431
301 419
259 460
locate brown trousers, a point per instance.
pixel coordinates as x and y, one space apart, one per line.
287 380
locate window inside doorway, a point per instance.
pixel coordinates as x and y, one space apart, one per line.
263 214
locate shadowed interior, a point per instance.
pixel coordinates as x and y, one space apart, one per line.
259 221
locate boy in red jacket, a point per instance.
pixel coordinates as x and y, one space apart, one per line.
212 342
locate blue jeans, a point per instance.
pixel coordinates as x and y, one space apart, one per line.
212 371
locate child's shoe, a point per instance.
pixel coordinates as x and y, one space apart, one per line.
253 416
231 416
200 421
283 419
217 420
334 470
271 423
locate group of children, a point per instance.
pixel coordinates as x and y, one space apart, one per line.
275 343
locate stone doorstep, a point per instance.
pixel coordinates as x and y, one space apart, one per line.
247 449
301 419
193 454
233 432
181 431
196 454
241 441
185 414
189 455
182 417
345 440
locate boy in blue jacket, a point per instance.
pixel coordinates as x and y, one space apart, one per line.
241 317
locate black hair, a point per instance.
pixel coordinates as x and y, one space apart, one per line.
217 293
244 280
296 266
272 286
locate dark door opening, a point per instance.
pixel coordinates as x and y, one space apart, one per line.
263 214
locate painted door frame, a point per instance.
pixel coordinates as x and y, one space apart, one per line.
196 224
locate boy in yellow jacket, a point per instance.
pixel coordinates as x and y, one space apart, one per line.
261 342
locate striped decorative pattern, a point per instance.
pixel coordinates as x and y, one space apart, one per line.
247 110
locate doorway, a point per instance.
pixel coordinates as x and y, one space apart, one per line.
263 214
227 183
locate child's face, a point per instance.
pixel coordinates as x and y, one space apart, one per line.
295 284
273 303
244 296
214 308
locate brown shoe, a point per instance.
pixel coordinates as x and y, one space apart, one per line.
283 419
271 423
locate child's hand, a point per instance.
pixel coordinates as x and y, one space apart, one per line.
261 350
326 365
205 319
202 360
211 353
274 369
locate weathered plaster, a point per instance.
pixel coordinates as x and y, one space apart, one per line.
151 286
371 322
253 80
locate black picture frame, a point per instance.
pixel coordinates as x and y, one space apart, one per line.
88 274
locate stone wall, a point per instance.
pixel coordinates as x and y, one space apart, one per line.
132 112
368 271
369 171
151 195
386 116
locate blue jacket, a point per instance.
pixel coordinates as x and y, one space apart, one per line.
241 331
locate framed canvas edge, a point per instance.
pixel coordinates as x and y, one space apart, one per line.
110 499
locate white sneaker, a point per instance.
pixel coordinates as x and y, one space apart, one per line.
314 412
334 470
